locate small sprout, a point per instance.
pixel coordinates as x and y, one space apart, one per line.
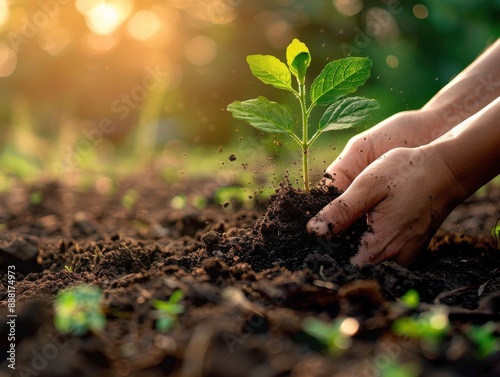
68 268
429 327
335 336
495 231
78 310
485 340
199 202
178 202
411 299
338 79
129 198
394 369
36 198
167 311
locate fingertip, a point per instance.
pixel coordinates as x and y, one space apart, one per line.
318 226
358 260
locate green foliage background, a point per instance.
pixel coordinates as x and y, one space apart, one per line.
51 105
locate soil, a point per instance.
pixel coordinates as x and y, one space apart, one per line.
249 279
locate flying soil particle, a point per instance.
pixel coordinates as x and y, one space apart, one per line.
225 204
232 157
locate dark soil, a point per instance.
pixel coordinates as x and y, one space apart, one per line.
249 278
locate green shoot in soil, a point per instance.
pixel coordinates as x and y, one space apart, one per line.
428 327
167 311
484 339
411 299
335 336
495 231
338 78
78 310
68 268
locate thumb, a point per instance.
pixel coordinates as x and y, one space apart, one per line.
341 213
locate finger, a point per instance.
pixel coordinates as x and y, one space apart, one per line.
341 213
343 173
401 247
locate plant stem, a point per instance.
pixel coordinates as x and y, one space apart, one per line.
305 142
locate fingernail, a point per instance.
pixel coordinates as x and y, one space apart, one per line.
318 226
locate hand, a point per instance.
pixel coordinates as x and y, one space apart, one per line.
406 129
404 202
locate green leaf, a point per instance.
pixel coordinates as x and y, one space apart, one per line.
340 77
347 113
298 59
270 70
411 299
263 114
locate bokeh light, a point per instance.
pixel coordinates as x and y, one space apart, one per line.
348 7
392 61
4 12
144 24
103 19
200 50
101 44
420 11
8 60
54 40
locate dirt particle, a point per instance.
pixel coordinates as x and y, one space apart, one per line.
232 157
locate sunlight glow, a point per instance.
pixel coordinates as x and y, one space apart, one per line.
4 12
348 7
8 60
201 50
103 19
101 44
143 25
54 40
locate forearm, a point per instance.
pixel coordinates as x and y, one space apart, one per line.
471 150
470 91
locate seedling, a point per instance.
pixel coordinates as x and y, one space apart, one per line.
167 311
485 340
411 299
338 78
335 336
36 198
68 268
429 327
395 369
78 310
495 231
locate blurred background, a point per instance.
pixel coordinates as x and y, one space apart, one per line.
93 87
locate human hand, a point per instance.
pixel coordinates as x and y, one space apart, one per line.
405 129
404 201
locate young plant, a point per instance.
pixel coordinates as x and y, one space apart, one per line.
411 299
484 339
428 327
335 336
338 78
495 231
78 310
167 311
